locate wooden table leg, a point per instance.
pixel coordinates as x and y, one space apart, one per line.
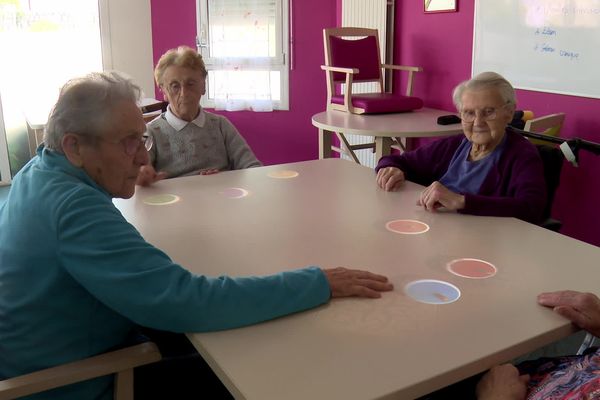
383 147
348 147
325 143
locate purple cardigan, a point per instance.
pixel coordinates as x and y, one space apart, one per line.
514 187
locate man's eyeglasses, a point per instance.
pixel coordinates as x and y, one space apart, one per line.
132 144
486 114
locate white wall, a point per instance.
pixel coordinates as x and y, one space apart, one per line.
127 25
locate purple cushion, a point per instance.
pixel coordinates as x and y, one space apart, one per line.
380 103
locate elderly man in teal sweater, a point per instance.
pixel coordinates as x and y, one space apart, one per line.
76 279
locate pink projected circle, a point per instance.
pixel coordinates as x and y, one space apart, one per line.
284 174
471 268
407 226
161 199
234 193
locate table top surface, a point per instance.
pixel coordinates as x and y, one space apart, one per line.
418 123
333 214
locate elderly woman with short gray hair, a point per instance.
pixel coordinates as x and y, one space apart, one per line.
491 170
187 139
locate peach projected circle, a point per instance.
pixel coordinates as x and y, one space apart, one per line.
161 199
471 268
234 193
284 174
431 291
407 226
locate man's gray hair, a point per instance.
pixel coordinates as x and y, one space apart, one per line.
85 105
482 81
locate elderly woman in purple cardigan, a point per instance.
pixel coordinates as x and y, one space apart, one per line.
492 170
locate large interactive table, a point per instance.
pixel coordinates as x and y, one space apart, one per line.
331 213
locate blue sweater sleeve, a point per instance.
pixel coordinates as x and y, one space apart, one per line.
110 259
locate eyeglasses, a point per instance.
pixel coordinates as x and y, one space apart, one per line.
486 114
174 87
131 144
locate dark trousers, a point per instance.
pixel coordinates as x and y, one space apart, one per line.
181 374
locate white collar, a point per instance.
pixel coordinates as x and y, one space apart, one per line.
178 124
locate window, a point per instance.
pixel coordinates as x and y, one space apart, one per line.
44 43
244 44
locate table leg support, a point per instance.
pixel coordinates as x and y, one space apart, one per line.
325 142
383 146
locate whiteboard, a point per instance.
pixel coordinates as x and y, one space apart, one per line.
543 45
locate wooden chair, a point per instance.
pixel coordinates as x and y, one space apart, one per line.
152 110
120 362
352 55
552 159
549 125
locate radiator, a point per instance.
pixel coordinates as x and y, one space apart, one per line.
372 14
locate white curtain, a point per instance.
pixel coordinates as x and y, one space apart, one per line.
242 45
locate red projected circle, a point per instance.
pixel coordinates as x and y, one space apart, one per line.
407 226
472 268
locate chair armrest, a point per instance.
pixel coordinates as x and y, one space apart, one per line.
552 224
77 371
151 111
160 106
411 74
402 67
349 76
340 69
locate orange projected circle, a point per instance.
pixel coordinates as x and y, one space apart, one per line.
284 174
407 226
161 199
471 268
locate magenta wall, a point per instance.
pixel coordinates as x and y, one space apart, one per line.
276 137
441 43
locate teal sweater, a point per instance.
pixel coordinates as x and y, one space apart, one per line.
76 278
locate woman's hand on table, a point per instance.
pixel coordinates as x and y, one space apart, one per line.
437 195
148 175
390 178
583 309
210 171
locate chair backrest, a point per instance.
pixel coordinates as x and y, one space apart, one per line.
353 48
552 159
548 125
